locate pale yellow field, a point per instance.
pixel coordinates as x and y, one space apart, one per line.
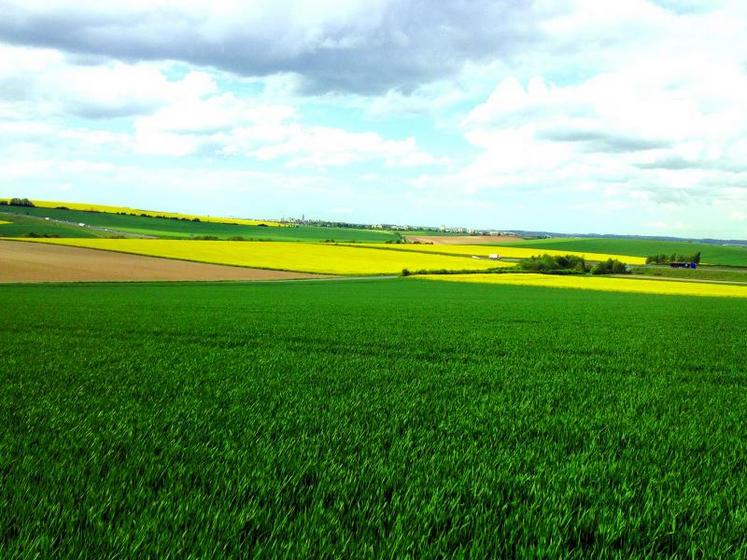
507 251
117 209
4 222
600 283
298 257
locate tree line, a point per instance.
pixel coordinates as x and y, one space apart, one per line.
571 264
674 257
17 202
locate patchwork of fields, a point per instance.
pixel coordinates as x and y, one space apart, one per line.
511 252
495 413
65 224
711 253
41 262
108 209
375 419
300 257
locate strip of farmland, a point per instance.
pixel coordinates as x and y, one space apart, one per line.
603 284
510 252
320 258
36 262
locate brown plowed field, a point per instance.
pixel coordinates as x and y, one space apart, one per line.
463 239
37 262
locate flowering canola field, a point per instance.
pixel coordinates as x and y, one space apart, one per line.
510 252
599 283
298 257
4 222
106 209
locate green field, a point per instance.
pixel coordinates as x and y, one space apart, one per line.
701 273
712 254
169 228
370 419
21 226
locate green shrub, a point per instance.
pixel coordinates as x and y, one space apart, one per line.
558 263
610 266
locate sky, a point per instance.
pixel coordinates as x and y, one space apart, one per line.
573 116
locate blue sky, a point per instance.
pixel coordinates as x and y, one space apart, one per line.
567 115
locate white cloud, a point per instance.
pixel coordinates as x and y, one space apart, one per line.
227 125
654 128
174 117
350 45
47 84
323 147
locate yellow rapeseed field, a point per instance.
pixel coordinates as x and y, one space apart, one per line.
506 251
601 283
298 257
118 209
4 222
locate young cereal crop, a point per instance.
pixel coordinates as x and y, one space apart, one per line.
376 419
18 225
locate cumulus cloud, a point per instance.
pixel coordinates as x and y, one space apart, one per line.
653 128
229 126
48 84
178 116
353 45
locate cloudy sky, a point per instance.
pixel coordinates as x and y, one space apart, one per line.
561 115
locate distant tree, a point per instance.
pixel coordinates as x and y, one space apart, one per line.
21 202
610 266
558 263
674 257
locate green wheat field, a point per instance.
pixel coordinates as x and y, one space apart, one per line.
370 419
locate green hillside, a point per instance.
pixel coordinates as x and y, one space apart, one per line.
172 228
22 225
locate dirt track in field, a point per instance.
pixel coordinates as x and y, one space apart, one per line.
37 262
463 239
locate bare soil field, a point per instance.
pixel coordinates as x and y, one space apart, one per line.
37 262
463 239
